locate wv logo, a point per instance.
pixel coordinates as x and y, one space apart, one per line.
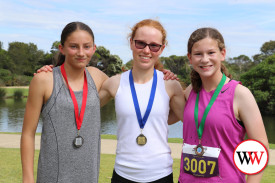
250 157
243 156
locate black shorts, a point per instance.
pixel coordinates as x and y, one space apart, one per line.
118 179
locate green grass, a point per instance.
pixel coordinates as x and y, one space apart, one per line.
10 91
11 171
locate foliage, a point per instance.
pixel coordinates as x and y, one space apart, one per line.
18 94
18 64
239 65
2 93
261 81
106 62
178 65
25 57
128 65
6 77
5 61
267 49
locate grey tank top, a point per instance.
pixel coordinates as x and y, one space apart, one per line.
59 161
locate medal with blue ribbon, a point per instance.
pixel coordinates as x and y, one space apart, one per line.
141 139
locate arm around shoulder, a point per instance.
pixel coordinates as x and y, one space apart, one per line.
177 100
109 89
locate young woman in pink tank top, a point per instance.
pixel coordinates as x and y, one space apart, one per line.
221 132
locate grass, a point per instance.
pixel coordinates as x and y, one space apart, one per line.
11 171
113 137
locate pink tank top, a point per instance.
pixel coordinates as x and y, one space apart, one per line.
221 130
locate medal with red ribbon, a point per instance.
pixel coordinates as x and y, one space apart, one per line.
78 141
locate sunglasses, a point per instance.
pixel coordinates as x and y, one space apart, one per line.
152 46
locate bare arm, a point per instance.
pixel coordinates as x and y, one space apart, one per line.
246 109
177 101
33 107
98 76
109 89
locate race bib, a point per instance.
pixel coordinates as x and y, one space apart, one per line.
200 166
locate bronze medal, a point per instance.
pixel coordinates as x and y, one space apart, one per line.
141 140
199 150
78 141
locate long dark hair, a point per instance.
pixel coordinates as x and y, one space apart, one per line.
69 29
196 36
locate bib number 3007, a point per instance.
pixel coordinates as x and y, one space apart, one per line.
200 166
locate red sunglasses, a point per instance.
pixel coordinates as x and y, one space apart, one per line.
152 46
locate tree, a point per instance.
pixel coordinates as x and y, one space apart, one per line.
261 81
5 61
25 57
6 77
239 65
267 49
178 65
103 60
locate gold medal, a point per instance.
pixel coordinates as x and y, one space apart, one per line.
141 140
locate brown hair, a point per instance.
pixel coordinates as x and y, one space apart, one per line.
66 32
196 36
155 24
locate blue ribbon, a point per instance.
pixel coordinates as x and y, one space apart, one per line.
143 120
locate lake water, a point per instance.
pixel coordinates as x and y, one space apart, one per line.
12 114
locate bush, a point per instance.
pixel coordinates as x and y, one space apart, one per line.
2 93
18 94
22 80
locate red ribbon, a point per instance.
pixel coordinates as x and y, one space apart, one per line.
78 118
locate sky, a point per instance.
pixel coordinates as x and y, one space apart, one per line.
245 24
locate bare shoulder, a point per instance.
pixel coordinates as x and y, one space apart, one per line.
42 78
173 87
95 72
242 93
115 78
172 83
42 84
187 91
244 103
98 76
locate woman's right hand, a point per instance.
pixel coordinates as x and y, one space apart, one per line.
45 68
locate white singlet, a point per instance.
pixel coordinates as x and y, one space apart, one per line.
153 160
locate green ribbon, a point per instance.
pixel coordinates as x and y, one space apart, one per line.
207 109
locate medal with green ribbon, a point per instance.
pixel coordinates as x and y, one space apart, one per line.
199 149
